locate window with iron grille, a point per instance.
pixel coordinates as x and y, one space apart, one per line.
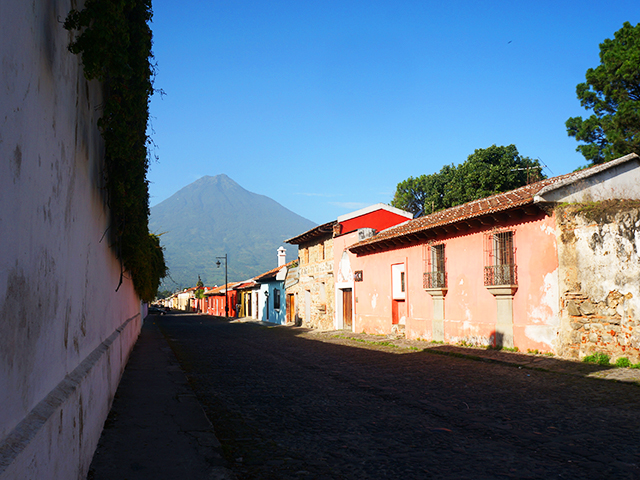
434 275
500 259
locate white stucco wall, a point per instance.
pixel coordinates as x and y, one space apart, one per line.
616 179
261 294
65 333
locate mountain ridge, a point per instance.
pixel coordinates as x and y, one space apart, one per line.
215 215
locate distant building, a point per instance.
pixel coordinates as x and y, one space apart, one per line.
314 293
272 306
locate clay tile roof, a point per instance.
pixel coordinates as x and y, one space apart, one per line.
315 232
219 290
519 197
273 272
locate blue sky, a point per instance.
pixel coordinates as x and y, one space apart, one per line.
326 106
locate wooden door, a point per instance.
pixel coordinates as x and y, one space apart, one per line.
394 313
398 311
347 312
291 308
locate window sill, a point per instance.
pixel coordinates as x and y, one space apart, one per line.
502 290
436 292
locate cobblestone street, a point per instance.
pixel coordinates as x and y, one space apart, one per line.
287 403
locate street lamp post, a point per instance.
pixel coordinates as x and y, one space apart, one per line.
226 302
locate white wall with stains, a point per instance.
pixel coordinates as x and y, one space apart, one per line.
600 279
65 333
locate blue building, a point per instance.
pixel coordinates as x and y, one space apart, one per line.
272 305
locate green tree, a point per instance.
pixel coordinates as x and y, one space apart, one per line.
488 171
424 194
485 172
612 91
199 293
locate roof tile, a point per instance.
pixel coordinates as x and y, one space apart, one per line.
495 203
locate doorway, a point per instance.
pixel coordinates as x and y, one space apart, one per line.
398 312
347 311
291 308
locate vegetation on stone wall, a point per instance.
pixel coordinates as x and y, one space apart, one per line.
114 39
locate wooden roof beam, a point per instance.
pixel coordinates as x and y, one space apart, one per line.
473 223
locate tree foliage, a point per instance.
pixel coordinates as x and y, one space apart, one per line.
163 293
485 172
114 39
199 293
612 91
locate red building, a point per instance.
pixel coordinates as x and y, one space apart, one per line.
214 301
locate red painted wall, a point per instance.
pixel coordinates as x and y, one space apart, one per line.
214 304
379 219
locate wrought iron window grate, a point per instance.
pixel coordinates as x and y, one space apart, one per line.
500 260
434 275
434 280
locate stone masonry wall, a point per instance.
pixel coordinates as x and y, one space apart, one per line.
316 276
599 279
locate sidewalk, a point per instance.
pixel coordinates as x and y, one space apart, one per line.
515 359
156 427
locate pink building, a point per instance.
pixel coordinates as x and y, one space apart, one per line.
489 272
348 230
311 288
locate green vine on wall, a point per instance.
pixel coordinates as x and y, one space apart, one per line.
113 38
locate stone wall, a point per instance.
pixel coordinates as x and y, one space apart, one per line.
65 332
600 279
316 277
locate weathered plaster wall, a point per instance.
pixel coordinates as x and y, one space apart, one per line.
600 279
316 277
373 296
469 308
470 311
536 321
343 260
65 333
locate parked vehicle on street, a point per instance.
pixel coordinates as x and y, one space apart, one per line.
153 310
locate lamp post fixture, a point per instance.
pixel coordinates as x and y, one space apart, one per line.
226 303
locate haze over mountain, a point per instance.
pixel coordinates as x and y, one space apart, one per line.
213 216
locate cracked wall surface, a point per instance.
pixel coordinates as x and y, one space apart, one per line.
600 278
